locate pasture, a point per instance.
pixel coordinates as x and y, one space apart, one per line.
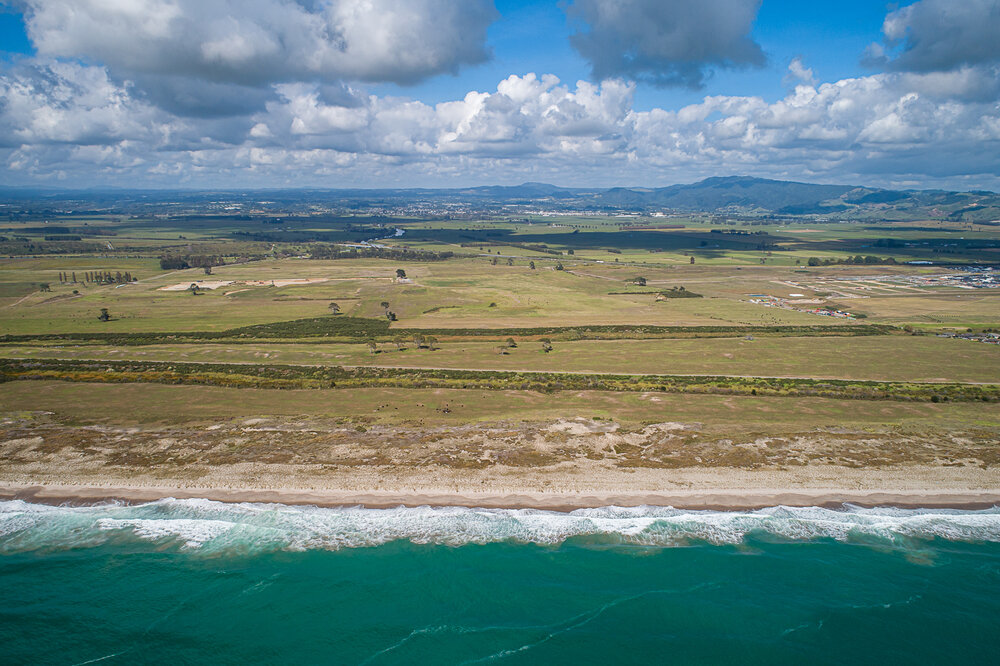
886 358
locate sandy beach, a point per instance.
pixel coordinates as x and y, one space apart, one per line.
554 464
699 499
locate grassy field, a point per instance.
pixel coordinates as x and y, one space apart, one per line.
156 405
490 284
458 293
467 293
889 358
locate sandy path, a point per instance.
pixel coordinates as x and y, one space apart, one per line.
21 300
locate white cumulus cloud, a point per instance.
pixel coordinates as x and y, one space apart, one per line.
74 122
267 41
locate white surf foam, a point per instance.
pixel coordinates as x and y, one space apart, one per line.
212 526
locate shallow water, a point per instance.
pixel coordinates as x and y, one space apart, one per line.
193 580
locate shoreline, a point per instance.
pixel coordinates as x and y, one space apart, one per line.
704 500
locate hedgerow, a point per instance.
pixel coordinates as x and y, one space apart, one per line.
312 377
358 329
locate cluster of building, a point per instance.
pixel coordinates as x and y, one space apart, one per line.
853 286
988 338
775 302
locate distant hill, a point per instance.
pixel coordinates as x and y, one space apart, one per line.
738 191
523 191
746 195
730 195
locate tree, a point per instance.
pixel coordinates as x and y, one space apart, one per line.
559 266
501 350
44 286
493 261
531 265
430 341
812 261
692 260
208 270
399 340
193 289
511 344
384 305
173 263
334 308
546 345
510 261
641 281
372 347
400 274
418 340
570 251
105 315
390 315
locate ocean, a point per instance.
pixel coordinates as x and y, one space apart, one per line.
195 581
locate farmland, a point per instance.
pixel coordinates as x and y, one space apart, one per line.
402 329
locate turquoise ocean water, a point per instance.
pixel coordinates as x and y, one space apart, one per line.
193 581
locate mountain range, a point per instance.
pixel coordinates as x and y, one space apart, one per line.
758 196
731 195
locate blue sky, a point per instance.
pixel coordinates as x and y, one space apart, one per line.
184 93
533 36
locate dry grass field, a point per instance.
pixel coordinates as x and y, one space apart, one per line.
887 358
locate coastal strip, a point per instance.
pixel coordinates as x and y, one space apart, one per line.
708 500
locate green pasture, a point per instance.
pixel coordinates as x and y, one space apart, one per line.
886 358
470 292
456 293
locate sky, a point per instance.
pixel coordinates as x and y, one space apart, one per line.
451 93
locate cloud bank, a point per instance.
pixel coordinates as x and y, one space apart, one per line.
258 42
222 116
72 120
220 57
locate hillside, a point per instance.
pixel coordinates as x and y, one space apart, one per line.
732 195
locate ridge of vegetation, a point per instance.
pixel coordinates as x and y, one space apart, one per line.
354 329
321 377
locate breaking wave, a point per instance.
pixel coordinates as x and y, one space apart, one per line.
209 526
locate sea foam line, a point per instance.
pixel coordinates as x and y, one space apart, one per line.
206 525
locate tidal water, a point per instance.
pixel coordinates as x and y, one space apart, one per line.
193 581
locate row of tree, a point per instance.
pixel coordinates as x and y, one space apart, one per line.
429 342
396 254
857 259
181 262
97 277
421 341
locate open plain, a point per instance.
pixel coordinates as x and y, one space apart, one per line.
565 359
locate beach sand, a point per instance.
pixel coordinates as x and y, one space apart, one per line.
717 500
563 464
